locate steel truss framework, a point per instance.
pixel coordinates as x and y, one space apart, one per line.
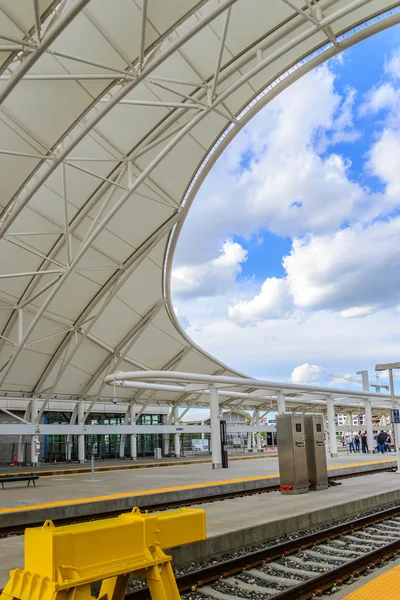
111 116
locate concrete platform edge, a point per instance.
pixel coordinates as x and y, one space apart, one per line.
231 542
91 507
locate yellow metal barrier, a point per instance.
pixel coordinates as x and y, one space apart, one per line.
61 563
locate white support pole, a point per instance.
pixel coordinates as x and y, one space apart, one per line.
35 444
123 435
21 438
331 426
369 426
215 432
68 448
66 220
250 435
20 325
368 412
133 435
21 450
166 436
396 426
281 403
258 436
177 439
81 437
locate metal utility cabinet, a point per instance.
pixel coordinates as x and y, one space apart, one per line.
316 452
292 454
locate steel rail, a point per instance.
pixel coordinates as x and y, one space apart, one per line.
306 589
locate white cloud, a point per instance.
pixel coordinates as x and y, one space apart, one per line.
338 303
232 255
286 186
353 271
392 67
357 311
212 278
308 375
272 302
384 162
271 349
342 270
384 96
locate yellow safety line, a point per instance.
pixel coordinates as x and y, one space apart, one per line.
385 586
162 490
359 464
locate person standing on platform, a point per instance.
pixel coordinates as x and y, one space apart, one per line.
357 443
381 441
364 443
350 443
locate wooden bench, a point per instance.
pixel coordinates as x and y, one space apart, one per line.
11 478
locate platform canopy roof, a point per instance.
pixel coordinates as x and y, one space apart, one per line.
112 114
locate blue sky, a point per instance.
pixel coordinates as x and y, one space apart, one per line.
287 266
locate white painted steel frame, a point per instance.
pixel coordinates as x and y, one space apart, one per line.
207 92
201 381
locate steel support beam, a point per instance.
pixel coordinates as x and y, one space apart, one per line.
112 287
214 82
142 37
50 36
35 444
330 407
81 437
146 71
123 435
215 432
177 444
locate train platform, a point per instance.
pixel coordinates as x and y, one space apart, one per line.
384 586
265 517
77 494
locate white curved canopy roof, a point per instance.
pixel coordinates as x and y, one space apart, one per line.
110 117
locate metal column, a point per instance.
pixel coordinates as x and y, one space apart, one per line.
331 426
396 426
367 411
250 436
177 436
35 444
81 437
369 426
215 432
133 435
281 401
123 435
258 436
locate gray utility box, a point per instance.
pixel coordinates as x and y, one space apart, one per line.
316 452
292 454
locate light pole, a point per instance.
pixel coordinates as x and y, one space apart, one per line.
396 431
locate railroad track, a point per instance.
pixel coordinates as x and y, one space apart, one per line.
10 530
298 569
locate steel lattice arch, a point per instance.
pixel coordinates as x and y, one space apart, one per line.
112 114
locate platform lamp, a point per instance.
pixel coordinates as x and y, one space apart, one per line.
395 415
